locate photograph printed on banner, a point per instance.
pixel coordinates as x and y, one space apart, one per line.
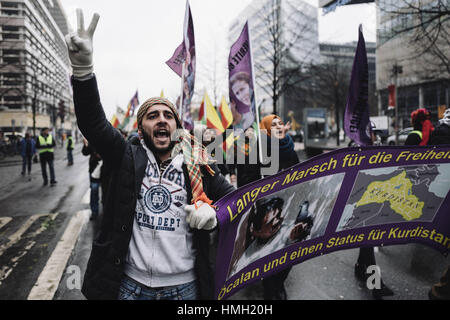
295 214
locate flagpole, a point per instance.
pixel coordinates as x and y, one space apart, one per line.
254 94
205 110
181 111
185 35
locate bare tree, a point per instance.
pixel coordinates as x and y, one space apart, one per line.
213 75
426 24
282 33
330 88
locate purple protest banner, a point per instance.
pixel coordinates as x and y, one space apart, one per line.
176 62
241 87
348 198
356 118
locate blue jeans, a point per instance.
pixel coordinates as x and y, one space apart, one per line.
133 290
26 162
94 197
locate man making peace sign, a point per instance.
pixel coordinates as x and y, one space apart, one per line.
154 236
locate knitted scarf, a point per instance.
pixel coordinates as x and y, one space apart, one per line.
286 146
195 155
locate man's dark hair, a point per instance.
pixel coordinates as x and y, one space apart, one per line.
262 207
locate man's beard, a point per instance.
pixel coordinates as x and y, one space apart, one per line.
156 150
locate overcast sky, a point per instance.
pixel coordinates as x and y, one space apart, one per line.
134 38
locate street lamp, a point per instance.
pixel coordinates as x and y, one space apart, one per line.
396 70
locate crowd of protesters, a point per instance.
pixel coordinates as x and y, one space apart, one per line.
132 175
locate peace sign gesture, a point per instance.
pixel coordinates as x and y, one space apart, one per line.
80 46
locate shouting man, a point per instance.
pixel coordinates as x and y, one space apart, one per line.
154 235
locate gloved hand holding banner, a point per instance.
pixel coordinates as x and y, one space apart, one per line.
348 198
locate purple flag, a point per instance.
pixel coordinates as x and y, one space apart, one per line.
188 70
356 119
241 88
176 62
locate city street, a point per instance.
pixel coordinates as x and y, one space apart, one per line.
46 235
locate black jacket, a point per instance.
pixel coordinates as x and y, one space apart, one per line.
128 161
440 135
247 173
94 159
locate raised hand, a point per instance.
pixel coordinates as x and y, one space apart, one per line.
80 46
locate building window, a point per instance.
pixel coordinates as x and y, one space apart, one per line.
9 36
12 98
11 60
11 28
7 12
6 4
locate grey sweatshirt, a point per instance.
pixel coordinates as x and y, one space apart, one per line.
160 251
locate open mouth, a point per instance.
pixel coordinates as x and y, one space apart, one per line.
161 135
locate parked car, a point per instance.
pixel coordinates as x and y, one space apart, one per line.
11 137
402 135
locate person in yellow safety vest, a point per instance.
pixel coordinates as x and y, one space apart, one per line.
69 149
415 137
45 145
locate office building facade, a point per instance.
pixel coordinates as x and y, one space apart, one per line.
401 62
35 87
296 23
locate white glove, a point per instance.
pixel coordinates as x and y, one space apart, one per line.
202 218
80 47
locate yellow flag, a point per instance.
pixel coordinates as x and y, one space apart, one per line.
212 118
225 113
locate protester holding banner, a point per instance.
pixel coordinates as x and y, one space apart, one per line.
154 237
266 230
272 127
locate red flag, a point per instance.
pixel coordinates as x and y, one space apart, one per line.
391 89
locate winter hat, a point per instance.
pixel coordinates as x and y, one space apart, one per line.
193 151
151 102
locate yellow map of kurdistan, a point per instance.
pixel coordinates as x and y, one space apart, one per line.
398 191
